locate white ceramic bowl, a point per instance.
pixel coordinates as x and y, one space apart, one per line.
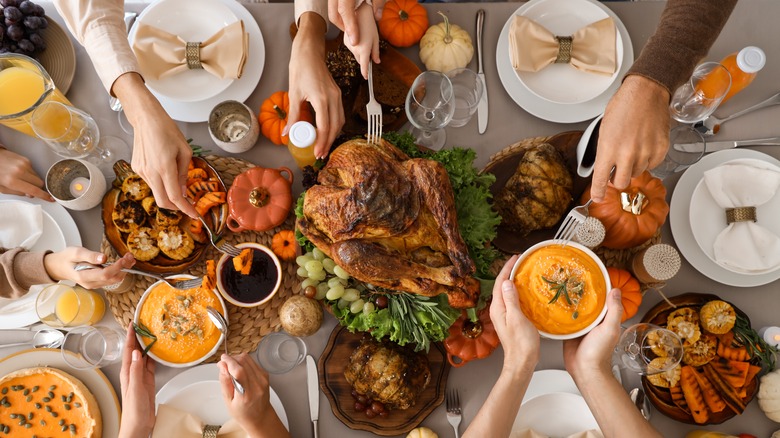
225 259
603 269
142 340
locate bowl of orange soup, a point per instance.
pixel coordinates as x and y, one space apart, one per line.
178 319
562 289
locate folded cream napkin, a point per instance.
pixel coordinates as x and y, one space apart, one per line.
590 49
172 422
745 246
22 224
530 433
162 54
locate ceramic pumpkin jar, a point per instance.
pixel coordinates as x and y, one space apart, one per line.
259 199
632 215
469 340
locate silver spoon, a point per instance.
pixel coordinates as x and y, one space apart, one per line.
222 325
711 125
638 397
45 338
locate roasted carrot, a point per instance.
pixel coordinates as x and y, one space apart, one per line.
711 397
693 396
211 199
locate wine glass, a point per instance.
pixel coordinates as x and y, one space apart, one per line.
641 344
72 133
698 98
430 106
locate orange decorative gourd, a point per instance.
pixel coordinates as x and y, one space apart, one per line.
631 216
631 293
259 199
273 116
471 340
403 22
283 245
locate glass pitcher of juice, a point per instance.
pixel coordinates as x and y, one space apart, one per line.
24 85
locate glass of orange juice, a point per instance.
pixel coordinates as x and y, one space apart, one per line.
62 305
24 85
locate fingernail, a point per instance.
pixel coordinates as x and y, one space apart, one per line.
379 12
285 130
100 258
617 294
507 286
136 355
352 40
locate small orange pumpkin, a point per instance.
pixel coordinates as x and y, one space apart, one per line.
471 340
273 116
631 293
403 22
631 216
259 199
283 245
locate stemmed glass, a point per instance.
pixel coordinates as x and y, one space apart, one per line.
641 344
430 106
72 133
698 98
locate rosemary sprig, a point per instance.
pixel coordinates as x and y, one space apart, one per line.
197 151
562 289
144 331
755 344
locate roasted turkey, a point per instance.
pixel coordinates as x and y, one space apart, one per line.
390 221
388 373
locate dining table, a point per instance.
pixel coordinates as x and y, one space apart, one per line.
753 22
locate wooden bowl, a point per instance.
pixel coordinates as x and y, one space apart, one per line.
660 397
334 361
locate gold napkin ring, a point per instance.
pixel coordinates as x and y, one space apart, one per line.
564 49
740 214
192 52
210 431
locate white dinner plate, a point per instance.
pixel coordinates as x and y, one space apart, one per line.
191 20
59 232
94 380
197 391
679 220
240 89
562 83
546 382
705 232
551 111
51 237
571 415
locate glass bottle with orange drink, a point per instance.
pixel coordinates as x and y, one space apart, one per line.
301 144
743 67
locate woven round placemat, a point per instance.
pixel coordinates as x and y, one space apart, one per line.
248 325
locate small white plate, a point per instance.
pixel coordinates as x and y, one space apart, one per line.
547 381
705 232
562 83
59 232
551 111
191 20
680 220
94 379
197 391
572 415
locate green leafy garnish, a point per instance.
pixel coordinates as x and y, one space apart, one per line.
197 151
756 345
144 331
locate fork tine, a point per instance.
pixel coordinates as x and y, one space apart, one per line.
457 401
562 228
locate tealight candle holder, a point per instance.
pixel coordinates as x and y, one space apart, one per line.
233 126
76 184
771 335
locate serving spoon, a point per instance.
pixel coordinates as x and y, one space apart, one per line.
222 325
45 338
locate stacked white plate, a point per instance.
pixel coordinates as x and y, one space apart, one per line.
559 92
190 96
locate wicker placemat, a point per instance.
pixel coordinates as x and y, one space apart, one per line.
248 325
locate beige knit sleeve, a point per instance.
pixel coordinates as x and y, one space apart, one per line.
19 270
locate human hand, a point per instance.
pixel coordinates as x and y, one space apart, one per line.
17 177
593 352
310 81
634 134
519 337
137 381
59 266
342 14
161 154
367 49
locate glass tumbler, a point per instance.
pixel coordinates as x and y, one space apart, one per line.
679 159
279 352
467 88
61 305
92 347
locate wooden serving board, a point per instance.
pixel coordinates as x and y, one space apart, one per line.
504 164
660 397
334 361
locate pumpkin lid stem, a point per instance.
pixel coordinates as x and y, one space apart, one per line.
472 330
259 197
447 36
282 114
403 15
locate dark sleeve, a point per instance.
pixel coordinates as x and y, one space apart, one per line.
19 270
684 35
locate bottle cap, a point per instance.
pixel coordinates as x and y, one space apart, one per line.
751 59
302 134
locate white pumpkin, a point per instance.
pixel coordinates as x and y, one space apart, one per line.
422 432
445 47
769 395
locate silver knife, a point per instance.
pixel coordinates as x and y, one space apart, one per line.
312 381
713 146
482 106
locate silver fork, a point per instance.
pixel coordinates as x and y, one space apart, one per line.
453 410
373 110
176 284
573 220
218 242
